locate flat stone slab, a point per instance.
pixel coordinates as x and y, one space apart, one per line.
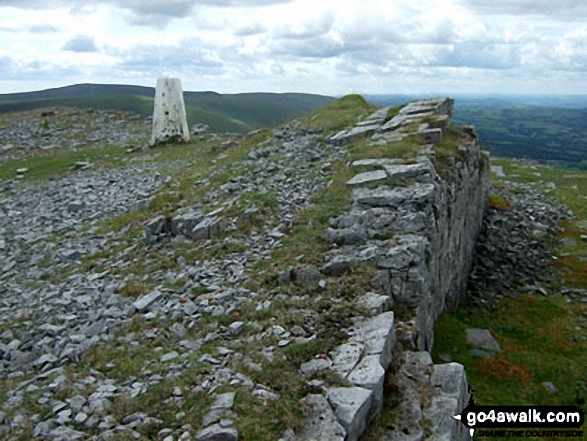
399 171
345 137
450 379
432 136
315 365
375 162
414 109
375 302
379 113
144 302
377 334
378 197
482 339
367 178
223 401
351 407
345 357
368 373
393 124
320 423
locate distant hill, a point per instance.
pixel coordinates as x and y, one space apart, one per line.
222 112
556 136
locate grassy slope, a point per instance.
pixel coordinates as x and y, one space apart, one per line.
223 113
538 334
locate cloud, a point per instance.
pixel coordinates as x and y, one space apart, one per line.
80 43
43 29
154 13
308 29
567 10
250 29
317 47
190 55
477 56
12 69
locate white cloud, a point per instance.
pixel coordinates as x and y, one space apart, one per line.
80 43
307 45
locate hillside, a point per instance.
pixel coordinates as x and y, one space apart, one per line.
258 288
223 113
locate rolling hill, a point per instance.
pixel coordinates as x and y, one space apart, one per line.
222 112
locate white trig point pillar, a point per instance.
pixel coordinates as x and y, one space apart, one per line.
169 117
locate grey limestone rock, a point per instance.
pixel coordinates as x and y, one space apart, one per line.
144 302
377 334
337 265
377 303
345 236
217 433
320 423
345 357
482 338
406 171
367 178
369 374
308 275
379 197
351 406
315 365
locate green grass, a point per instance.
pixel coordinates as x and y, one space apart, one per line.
44 164
536 335
340 114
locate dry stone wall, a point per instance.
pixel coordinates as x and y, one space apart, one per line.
420 234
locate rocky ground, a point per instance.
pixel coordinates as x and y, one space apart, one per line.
69 129
168 324
517 244
56 305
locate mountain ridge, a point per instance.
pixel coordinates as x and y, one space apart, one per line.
222 112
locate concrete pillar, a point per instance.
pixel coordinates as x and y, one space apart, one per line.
169 116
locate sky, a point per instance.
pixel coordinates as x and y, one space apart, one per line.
328 47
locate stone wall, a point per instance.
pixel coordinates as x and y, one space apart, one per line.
419 230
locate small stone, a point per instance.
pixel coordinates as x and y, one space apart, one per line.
551 388
217 433
482 339
169 356
315 365
224 401
236 328
144 302
81 417
308 275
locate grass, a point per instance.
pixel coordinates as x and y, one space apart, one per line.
407 148
536 336
340 114
44 164
499 202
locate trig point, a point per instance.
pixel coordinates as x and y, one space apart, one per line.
169 117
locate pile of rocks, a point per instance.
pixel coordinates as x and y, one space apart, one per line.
68 128
516 245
